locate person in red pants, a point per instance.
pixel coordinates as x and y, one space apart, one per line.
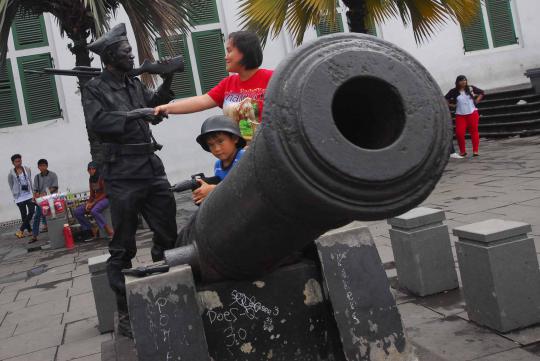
463 98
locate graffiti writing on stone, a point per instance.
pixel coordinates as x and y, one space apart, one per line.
241 313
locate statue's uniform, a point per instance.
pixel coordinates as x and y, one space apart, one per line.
134 176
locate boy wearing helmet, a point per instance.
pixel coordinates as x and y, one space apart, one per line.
221 137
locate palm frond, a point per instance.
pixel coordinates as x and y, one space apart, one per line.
8 10
425 16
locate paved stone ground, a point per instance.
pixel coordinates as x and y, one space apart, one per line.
47 309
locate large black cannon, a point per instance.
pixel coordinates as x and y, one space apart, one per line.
353 128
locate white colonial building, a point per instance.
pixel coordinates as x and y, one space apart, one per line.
42 117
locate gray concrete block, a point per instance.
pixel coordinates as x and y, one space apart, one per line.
500 275
364 309
104 297
417 217
56 232
422 252
165 316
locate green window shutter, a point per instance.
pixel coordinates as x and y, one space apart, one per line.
183 85
501 22
205 12
474 34
40 97
9 116
29 30
371 28
210 55
324 27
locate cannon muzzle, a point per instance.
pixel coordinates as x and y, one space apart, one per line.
353 128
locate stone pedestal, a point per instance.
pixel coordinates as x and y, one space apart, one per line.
285 315
499 273
165 317
422 252
104 296
56 231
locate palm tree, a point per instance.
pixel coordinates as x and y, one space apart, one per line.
82 20
426 16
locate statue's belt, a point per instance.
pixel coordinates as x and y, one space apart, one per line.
129 149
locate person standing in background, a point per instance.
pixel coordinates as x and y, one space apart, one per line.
20 183
464 98
45 182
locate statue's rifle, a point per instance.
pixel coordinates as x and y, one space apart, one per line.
173 65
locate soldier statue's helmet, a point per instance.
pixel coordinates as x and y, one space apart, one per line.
115 35
219 123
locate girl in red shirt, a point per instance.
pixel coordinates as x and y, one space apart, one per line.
243 56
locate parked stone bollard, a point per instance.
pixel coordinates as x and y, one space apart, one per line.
165 316
422 251
103 294
499 273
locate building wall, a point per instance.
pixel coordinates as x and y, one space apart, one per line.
64 143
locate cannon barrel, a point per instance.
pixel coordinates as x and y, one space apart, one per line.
353 128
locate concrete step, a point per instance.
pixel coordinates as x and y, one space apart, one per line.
510 108
509 99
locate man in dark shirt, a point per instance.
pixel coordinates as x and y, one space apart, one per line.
135 179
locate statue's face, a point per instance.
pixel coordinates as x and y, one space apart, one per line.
123 59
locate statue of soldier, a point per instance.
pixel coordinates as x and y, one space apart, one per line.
134 175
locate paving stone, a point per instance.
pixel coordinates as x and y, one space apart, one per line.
455 339
40 310
14 306
6 330
7 297
47 354
82 282
525 336
79 314
447 303
37 323
517 354
413 315
46 296
80 270
82 301
94 357
81 330
76 350
31 342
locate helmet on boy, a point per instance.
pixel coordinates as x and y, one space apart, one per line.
219 123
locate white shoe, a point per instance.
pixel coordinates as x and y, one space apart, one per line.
456 156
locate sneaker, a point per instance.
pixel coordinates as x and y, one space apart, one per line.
463 154
455 156
476 155
19 234
34 239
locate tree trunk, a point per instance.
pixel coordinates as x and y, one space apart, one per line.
82 58
356 15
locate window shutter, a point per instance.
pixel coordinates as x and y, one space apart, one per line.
371 28
40 97
205 12
9 116
501 22
183 84
474 34
210 55
324 27
29 30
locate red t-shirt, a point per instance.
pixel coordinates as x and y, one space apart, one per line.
232 90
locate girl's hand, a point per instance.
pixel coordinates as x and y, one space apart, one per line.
162 110
202 192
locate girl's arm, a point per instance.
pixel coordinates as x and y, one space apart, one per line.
184 106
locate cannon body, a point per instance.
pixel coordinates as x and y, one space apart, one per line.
353 128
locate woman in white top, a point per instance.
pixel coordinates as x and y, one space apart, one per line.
463 98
